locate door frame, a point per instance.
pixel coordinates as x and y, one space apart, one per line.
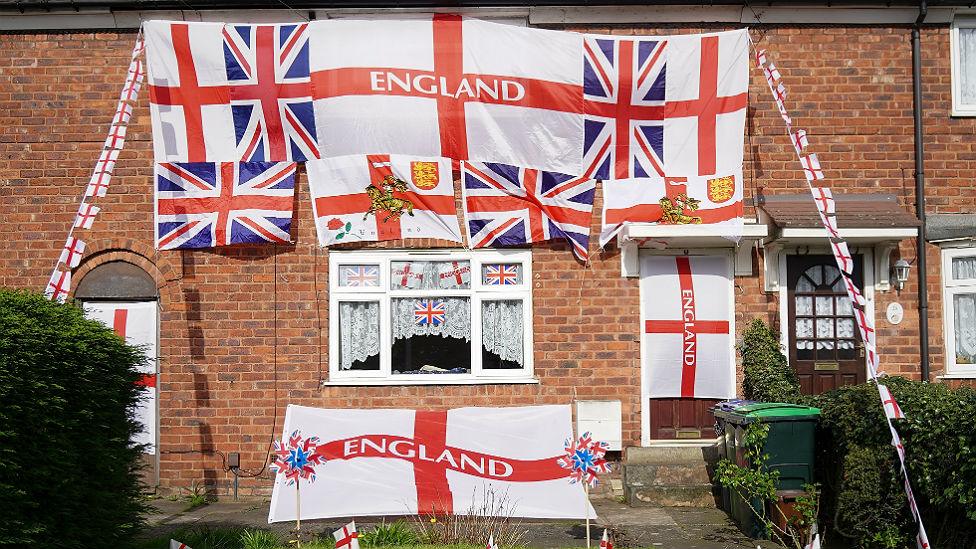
645 412
784 311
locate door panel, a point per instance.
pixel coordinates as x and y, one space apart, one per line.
682 418
825 346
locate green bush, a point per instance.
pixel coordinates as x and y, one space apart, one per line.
766 375
863 494
68 474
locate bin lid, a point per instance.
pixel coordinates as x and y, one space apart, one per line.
777 410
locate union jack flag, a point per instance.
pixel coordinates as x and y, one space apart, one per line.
501 275
360 276
428 312
208 204
508 206
297 457
585 459
270 92
623 97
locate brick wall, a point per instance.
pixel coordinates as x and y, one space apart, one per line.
221 309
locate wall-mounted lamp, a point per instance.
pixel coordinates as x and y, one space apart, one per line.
900 270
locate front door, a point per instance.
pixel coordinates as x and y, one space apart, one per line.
687 356
824 344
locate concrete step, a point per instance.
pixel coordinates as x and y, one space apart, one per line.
678 475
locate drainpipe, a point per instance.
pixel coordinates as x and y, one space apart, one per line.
923 294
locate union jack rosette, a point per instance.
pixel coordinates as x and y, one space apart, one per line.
296 458
585 459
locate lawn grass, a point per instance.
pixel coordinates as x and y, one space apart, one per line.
254 538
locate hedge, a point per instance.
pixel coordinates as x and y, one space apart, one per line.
68 474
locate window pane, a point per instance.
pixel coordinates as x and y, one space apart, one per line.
804 349
967 66
804 305
804 285
964 268
431 335
804 327
430 275
832 277
825 306
845 327
359 335
359 276
825 328
964 325
816 274
844 307
502 335
501 274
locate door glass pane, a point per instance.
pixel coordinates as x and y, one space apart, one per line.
825 305
967 65
804 285
502 335
844 306
832 277
804 305
964 268
816 274
359 335
804 349
845 348
825 328
804 328
845 327
964 326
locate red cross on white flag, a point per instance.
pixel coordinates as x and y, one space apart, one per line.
800 140
133 82
59 286
102 175
347 537
606 542
173 544
491 542
843 256
116 137
707 84
123 114
811 167
891 408
86 216
824 200
772 74
74 248
761 57
853 292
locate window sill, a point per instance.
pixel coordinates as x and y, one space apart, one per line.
428 380
958 375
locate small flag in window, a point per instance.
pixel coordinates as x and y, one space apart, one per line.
428 312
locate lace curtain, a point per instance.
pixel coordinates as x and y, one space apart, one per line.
964 268
359 331
457 318
967 65
501 329
430 275
964 310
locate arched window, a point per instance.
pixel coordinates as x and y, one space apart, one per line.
117 281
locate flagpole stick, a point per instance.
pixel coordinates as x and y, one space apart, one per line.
298 516
586 508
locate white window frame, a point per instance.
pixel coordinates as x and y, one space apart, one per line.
478 293
950 288
959 108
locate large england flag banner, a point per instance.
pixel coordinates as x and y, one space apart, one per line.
715 201
136 323
449 86
382 197
686 334
408 462
706 95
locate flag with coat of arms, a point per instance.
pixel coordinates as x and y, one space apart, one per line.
382 197
715 201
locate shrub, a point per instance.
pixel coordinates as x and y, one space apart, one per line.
863 494
766 375
68 473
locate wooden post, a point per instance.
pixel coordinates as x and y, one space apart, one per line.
298 515
586 509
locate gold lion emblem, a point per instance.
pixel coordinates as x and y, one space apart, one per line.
425 175
673 210
721 189
382 199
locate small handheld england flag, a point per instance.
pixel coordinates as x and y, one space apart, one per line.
606 543
347 537
491 543
173 544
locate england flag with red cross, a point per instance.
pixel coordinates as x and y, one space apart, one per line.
189 94
270 92
623 106
382 197
434 462
449 86
665 200
509 206
706 96
687 345
209 204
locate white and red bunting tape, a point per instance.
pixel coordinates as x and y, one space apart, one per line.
59 285
826 208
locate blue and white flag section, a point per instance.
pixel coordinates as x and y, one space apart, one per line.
209 204
410 462
686 326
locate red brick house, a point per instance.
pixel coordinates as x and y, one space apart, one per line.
243 331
